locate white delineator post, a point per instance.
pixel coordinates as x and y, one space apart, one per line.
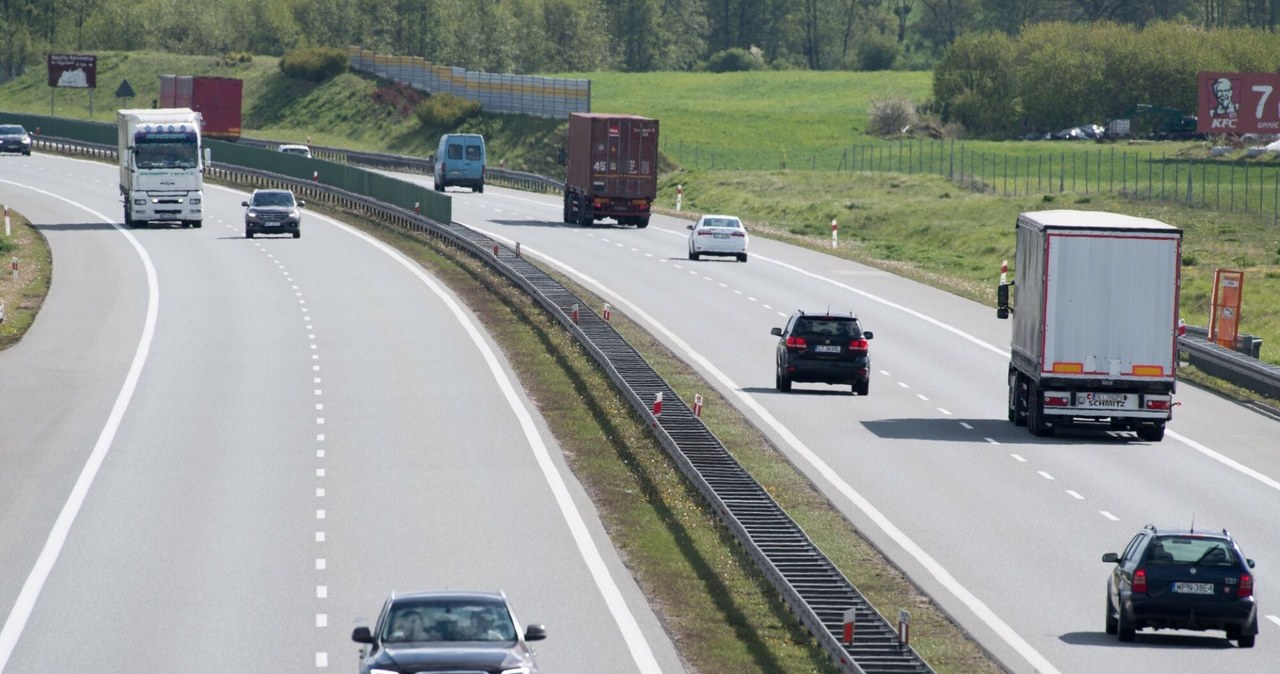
904 628
15 268
1004 273
679 197
833 232
7 231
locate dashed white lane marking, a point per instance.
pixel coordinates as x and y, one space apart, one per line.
693 271
319 437
782 314
1274 619
319 420
903 384
322 659
319 492
884 372
991 441
322 620
319 472
1018 458
763 305
319 536
322 591
319 406
723 285
315 380
922 397
317 391
319 453
320 513
737 292
1045 475
1075 495
944 411
751 298
1109 516
966 425
321 563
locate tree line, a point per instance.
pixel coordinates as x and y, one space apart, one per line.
547 36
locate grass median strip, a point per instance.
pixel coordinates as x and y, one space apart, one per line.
22 297
720 611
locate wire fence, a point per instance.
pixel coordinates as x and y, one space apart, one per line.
1236 180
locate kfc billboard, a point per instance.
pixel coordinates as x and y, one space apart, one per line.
78 71
1238 103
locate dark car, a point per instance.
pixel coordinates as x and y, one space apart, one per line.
447 631
14 138
272 212
828 348
1182 579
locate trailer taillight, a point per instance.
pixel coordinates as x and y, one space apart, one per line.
1157 404
1056 401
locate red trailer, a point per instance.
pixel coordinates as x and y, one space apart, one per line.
217 99
612 168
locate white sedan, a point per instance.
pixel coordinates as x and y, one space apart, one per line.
718 235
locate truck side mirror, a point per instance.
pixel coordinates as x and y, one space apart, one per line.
1002 301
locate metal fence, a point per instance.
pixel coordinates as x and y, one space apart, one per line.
1244 180
553 97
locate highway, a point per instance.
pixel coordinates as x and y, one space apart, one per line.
1003 529
219 454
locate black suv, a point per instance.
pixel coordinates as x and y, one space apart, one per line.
1182 579
827 348
447 631
272 212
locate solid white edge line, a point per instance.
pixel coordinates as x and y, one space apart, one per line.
940 574
635 639
1274 619
25 603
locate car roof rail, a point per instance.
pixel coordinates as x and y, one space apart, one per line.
1151 528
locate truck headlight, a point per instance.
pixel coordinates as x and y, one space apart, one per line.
139 202
194 200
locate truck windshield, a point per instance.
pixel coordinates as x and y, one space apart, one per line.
167 156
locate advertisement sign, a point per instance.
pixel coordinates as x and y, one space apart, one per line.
1238 103
77 71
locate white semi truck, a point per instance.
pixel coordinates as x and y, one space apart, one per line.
1095 326
161 166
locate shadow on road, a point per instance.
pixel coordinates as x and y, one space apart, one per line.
1147 639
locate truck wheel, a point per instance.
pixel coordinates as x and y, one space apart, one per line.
1035 413
479 189
1151 433
584 217
642 222
568 212
198 224
1017 400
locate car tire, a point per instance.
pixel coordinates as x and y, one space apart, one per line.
1113 626
695 256
862 388
297 235
1124 630
742 257
1153 433
479 189
782 381
248 234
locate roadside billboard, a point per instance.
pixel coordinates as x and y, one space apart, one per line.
1238 103
76 71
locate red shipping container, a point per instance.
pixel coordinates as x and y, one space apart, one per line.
217 99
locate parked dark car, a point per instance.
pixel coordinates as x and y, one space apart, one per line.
14 138
272 212
447 631
1182 579
827 348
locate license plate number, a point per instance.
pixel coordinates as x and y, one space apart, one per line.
827 348
1109 397
1193 588
722 236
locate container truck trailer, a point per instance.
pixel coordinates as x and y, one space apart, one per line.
218 100
611 168
1095 324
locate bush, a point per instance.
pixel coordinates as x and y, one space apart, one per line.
733 60
889 116
878 51
7 246
402 97
314 64
446 110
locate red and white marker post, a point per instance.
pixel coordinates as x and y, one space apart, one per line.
904 628
657 404
495 250
7 231
849 616
14 265
417 210
679 197
697 404
574 313
833 232
315 176
607 313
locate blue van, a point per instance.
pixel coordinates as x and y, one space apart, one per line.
460 161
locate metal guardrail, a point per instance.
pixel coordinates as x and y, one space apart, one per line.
811 585
1232 366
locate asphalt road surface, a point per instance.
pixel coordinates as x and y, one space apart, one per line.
219 454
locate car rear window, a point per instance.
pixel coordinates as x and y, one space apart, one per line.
828 326
455 151
473 152
731 223
1191 550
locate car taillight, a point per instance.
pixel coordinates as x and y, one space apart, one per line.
739 234
1140 580
1056 401
858 345
705 232
796 344
1246 586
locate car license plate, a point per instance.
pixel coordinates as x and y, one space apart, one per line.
1193 588
827 348
722 236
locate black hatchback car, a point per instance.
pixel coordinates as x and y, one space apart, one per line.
1182 579
828 348
447 631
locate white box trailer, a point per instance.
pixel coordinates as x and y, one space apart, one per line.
1095 326
161 166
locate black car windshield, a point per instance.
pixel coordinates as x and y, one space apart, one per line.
449 620
12 130
1188 550
263 199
